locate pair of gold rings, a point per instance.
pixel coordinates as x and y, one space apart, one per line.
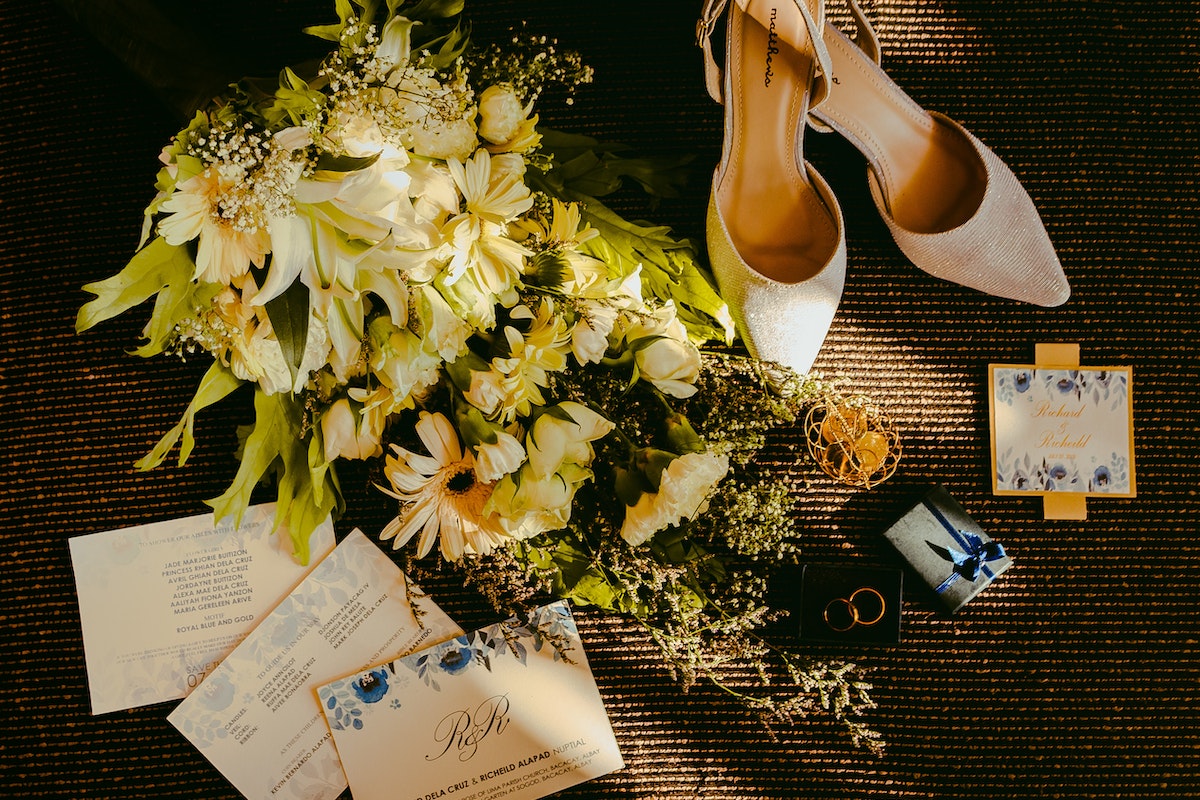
865 607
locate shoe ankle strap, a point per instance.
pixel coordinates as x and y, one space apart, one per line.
867 40
713 75
864 33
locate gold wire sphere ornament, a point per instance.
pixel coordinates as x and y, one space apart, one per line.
852 442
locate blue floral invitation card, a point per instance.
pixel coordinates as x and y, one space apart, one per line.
509 711
1061 430
255 717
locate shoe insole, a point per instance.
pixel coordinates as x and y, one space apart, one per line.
929 173
776 220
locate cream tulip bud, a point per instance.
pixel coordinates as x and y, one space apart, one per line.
346 433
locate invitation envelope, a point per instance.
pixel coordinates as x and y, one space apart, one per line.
1061 429
509 711
162 604
255 716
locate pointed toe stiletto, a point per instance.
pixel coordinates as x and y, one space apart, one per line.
775 235
952 206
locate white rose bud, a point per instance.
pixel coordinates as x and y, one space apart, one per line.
672 365
500 114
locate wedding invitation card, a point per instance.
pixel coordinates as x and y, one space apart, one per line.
161 604
255 717
509 711
1061 430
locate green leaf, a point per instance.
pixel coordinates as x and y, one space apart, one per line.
308 492
594 589
276 428
630 485
426 9
669 269
175 302
333 31
459 370
590 167
579 577
275 441
328 162
155 266
673 546
217 384
582 170
289 319
294 100
447 48
305 513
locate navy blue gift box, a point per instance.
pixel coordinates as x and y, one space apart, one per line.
947 548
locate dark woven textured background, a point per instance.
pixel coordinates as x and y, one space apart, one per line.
1075 675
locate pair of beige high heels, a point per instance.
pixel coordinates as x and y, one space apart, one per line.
775 233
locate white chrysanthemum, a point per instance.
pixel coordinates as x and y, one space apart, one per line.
441 494
533 355
480 251
491 191
476 241
685 485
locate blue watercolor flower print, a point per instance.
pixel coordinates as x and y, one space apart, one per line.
1020 480
551 624
370 687
456 659
1057 478
216 693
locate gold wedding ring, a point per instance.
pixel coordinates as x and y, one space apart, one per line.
844 613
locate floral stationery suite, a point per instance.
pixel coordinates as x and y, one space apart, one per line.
1061 430
194 589
255 716
509 711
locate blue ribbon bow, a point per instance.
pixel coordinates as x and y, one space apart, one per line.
971 560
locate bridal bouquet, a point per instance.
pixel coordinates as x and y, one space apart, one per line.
404 266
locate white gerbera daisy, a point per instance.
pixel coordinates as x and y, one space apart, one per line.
441 495
227 247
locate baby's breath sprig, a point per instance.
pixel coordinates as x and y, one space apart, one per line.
529 63
258 172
